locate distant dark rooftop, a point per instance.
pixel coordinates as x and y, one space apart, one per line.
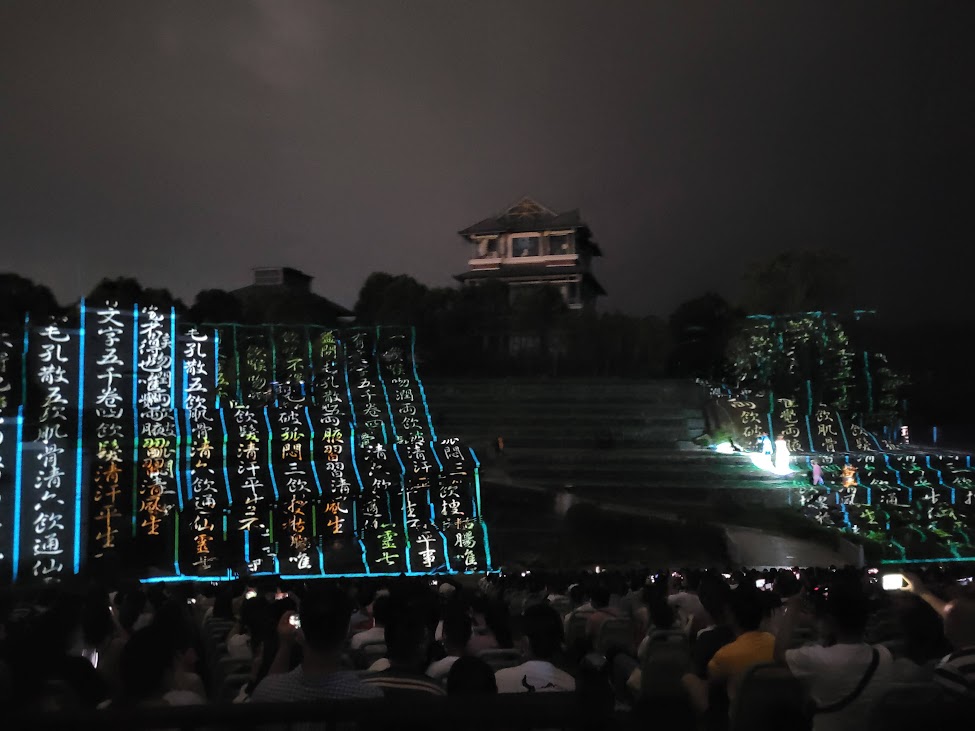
270 276
286 289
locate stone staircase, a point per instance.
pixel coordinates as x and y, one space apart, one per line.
612 442
625 448
568 413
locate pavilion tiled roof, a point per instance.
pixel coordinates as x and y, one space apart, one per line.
525 215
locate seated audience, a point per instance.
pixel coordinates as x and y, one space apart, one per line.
583 609
407 639
135 611
542 643
456 635
599 597
494 630
101 639
471 676
715 596
482 638
362 597
147 671
730 663
253 623
845 676
223 607
376 633
270 655
661 619
47 674
956 671
65 651
321 676
750 646
659 667
684 598
174 621
579 600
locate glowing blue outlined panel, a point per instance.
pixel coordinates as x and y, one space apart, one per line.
79 458
135 421
18 491
150 419
419 383
270 468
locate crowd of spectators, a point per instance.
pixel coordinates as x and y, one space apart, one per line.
827 646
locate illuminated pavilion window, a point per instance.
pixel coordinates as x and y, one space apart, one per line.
525 246
560 244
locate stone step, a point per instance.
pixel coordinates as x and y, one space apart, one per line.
638 470
662 392
675 429
644 475
655 497
482 439
522 414
567 413
577 436
517 456
650 430
607 422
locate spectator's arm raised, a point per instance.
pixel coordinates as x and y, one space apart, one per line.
915 585
787 627
287 637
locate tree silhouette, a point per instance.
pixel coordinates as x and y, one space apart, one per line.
128 292
700 329
388 300
19 295
215 305
799 281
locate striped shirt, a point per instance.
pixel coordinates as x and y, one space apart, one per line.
397 683
295 687
956 672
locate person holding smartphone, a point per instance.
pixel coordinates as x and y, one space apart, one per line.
956 671
252 624
324 620
846 676
683 597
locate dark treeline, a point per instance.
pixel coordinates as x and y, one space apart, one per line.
484 331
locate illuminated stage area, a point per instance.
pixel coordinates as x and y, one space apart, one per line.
917 503
135 444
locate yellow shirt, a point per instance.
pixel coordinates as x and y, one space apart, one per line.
731 662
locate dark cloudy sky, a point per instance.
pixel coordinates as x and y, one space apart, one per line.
185 142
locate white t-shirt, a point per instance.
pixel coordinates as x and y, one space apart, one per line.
239 647
832 673
534 675
688 608
367 637
142 621
183 698
440 668
380 665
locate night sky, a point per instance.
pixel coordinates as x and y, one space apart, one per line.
185 142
